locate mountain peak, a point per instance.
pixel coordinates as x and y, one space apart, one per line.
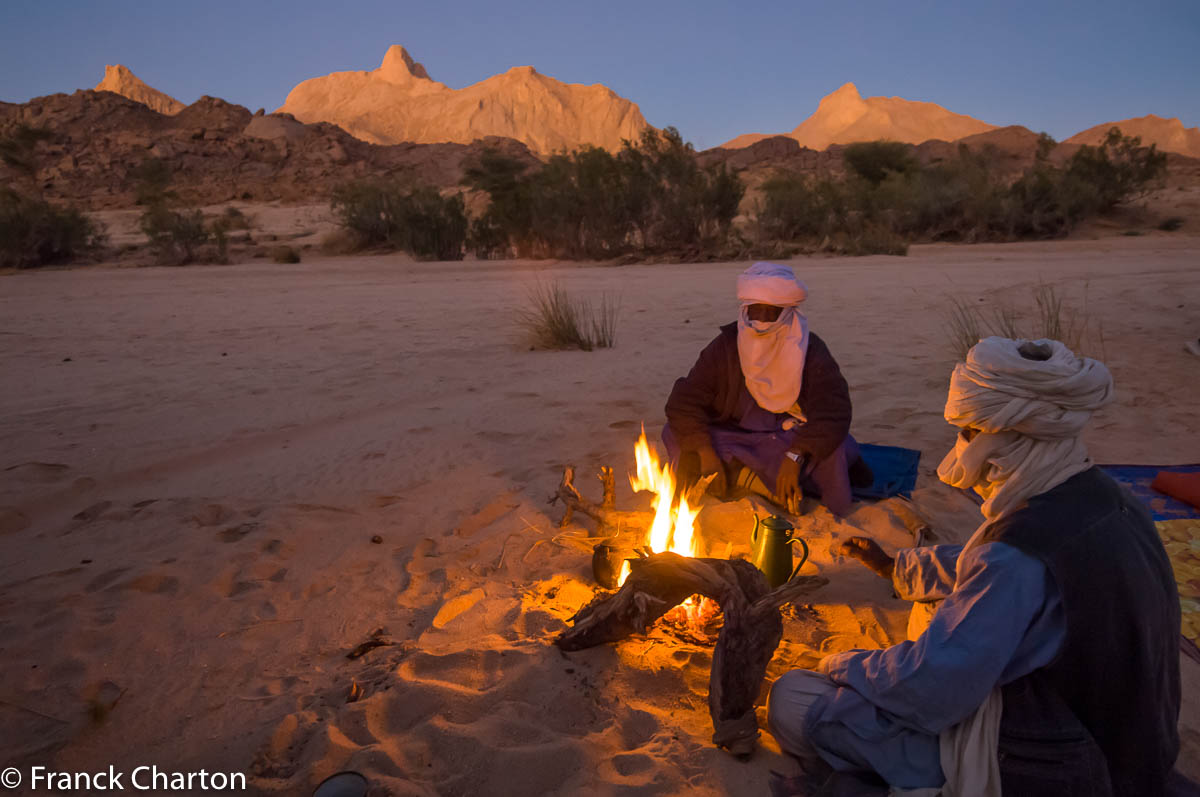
848 91
399 67
120 80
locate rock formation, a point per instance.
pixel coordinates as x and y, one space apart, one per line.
119 80
216 152
399 102
844 117
1168 134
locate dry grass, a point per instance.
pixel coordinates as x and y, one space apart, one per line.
1050 315
556 320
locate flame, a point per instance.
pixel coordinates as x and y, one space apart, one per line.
673 528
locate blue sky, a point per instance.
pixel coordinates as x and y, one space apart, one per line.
713 69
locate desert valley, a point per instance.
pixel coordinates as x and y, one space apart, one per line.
285 511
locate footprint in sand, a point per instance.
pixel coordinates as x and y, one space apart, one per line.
235 533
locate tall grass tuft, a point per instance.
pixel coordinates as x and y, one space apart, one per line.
554 319
1051 317
963 325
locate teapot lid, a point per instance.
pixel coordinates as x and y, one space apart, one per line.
777 523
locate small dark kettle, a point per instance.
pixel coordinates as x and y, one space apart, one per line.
771 549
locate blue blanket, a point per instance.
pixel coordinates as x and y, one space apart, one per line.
1137 478
895 470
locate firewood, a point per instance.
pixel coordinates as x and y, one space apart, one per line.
745 645
605 514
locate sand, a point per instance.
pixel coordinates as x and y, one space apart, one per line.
195 462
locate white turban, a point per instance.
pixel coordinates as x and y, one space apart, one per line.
772 353
1029 400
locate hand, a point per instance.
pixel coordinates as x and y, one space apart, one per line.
787 485
870 554
710 463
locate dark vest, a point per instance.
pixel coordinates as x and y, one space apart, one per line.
1115 683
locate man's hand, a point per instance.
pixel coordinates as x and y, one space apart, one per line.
870 554
710 463
787 486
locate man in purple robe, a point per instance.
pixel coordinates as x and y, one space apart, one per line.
765 407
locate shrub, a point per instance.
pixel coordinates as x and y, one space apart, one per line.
416 220
34 232
873 161
650 198
1171 224
555 320
285 254
174 236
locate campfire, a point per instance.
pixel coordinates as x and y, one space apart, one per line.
664 574
673 529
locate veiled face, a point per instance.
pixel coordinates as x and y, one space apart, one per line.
763 312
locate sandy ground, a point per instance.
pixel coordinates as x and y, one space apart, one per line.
195 461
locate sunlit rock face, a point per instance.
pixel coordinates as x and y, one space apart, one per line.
399 102
845 117
120 80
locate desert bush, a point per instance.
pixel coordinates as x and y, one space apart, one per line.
554 319
874 161
1120 168
1171 224
175 236
33 232
648 199
417 220
285 254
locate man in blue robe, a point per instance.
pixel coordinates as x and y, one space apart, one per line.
1050 665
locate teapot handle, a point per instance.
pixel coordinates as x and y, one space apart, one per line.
754 534
803 559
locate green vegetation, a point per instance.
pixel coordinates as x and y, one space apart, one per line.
886 196
175 236
417 220
650 199
556 320
33 232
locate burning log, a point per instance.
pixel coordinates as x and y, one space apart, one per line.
747 641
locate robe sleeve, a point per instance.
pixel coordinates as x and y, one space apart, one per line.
926 573
825 399
691 404
938 680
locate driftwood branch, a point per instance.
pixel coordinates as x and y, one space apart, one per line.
604 513
748 638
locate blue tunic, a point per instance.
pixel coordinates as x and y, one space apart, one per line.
1000 618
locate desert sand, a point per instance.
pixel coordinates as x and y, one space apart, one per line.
195 462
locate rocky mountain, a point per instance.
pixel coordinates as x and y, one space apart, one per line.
119 80
216 152
399 102
1168 134
845 117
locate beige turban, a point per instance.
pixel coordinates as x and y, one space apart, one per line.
772 353
1030 401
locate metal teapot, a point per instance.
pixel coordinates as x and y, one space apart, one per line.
771 549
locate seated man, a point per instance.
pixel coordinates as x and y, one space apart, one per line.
1051 665
767 399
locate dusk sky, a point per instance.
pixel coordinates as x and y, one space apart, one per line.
713 69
